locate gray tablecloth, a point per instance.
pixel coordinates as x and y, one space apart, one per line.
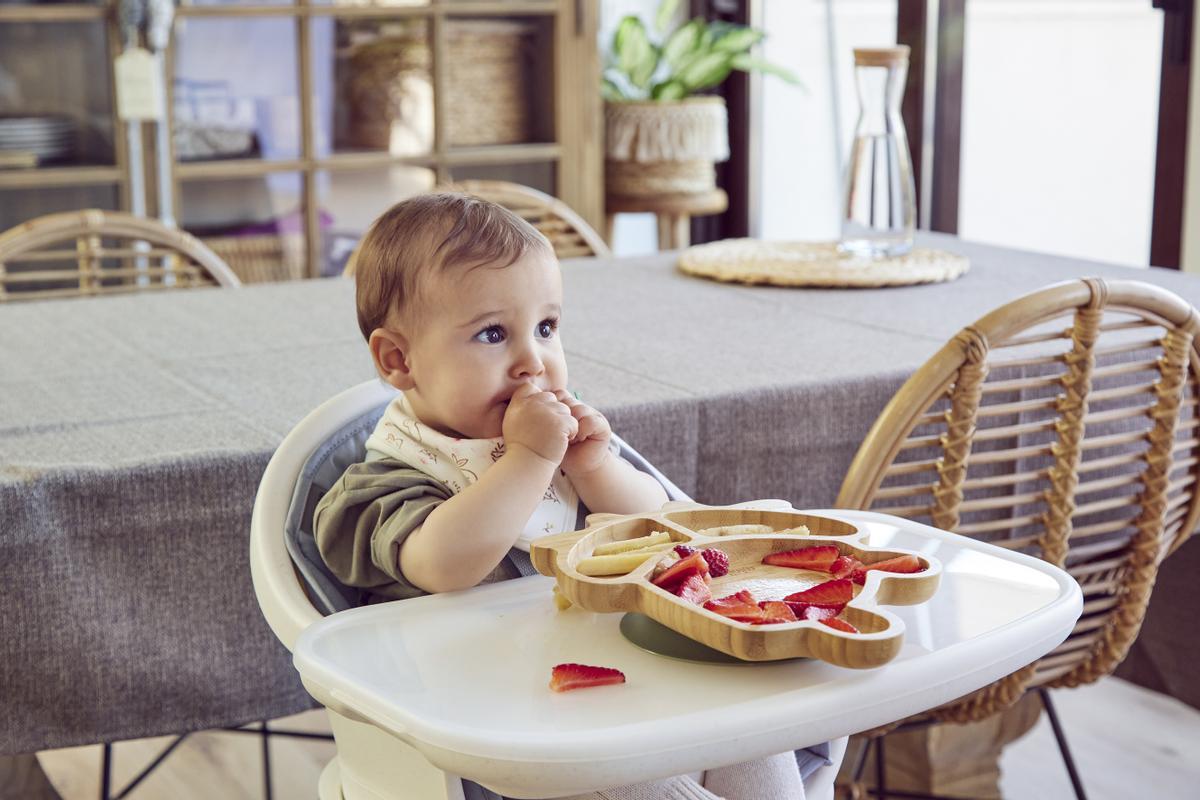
133 432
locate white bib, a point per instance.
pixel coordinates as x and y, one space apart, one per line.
457 463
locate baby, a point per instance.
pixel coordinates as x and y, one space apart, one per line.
460 301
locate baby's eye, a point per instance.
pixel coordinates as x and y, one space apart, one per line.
547 327
493 334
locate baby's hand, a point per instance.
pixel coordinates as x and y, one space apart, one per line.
589 447
537 421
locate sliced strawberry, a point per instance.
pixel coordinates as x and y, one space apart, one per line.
904 565
815 558
683 550
695 590
718 561
740 606
845 566
681 570
813 611
565 677
839 625
775 611
830 593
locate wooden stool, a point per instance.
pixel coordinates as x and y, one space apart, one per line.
674 212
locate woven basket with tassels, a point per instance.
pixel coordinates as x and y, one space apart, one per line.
656 148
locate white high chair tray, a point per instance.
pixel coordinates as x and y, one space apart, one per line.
463 677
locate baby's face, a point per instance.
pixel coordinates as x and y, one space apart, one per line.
483 333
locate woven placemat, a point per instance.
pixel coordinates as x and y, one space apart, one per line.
815 264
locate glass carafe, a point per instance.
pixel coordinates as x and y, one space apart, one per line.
879 210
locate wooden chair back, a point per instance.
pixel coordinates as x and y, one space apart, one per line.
568 233
1064 425
93 252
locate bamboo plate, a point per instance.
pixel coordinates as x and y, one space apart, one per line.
880 632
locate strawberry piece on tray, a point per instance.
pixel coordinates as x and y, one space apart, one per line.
830 593
815 558
695 590
565 677
839 625
741 607
813 611
775 611
681 570
904 565
845 567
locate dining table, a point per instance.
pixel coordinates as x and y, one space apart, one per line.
134 431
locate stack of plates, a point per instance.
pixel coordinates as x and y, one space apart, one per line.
47 137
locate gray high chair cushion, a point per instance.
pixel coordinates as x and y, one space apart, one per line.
348 446
325 466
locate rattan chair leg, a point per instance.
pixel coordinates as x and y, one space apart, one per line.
266 753
1061 738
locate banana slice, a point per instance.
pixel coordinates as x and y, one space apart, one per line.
659 537
737 530
618 563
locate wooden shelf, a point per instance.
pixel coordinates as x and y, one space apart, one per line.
236 168
59 176
567 30
56 13
455 157
502 154
466 8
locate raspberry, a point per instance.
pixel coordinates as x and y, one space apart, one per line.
718 561
684 551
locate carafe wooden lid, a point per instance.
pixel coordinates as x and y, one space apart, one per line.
881 56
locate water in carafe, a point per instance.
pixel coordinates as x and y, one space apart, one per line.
879 211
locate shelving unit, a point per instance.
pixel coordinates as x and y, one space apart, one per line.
565 158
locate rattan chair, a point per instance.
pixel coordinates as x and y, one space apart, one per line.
95 252
1063 425
570 236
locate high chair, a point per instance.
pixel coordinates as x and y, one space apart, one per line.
295 590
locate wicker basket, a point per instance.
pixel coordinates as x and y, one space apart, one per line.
488 77
664 147
261 258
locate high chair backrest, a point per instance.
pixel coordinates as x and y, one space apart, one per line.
1064 425
94 252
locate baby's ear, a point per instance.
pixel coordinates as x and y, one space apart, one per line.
389 351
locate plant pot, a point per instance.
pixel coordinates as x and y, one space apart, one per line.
668 147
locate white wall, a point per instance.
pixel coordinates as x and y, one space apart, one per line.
802 151
1060 118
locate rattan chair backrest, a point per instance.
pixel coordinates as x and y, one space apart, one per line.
95 252
568 233
1063 425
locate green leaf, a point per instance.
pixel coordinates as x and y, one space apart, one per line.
707 70
636 56
683 43
666 11
748 63
738 40
669 90
610 90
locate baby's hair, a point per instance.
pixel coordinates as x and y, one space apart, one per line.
428 233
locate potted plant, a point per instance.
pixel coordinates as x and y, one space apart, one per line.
661 137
